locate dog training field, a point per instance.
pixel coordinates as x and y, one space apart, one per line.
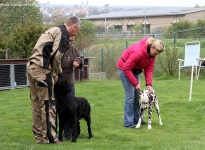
183 121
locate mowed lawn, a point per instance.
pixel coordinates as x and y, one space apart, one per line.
183 121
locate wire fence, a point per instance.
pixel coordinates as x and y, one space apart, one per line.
106 54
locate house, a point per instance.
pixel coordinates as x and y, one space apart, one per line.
153 19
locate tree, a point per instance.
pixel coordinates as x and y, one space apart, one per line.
139 29
2 41
181 25
201 24
197 6
95 12
14 13
23 39
3 45
86 35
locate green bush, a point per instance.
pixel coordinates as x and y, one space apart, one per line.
23 39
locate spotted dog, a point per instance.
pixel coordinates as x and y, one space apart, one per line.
148 100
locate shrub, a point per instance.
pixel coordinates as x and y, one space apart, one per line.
168 61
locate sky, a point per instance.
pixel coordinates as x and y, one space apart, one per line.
185 3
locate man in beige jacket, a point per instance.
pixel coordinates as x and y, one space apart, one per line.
43 68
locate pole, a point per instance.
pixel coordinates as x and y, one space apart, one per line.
44 9
102 60
105 22
175 32
144 22
7 54
105 18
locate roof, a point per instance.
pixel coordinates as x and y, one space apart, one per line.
150 12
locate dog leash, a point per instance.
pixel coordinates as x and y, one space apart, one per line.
141 91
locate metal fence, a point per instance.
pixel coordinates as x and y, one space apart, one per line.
127 35
13 76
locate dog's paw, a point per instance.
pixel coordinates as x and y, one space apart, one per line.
137 126
73 140
160 121
149 127
90 136
60 139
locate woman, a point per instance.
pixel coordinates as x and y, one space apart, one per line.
71 60
138 56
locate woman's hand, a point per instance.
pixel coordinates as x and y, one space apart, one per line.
149 87
75 64
138 87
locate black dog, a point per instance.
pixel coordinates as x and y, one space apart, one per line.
71 108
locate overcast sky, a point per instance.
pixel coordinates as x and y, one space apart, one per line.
188 3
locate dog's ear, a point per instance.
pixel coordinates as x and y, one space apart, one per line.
62 86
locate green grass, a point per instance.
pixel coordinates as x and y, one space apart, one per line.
183 121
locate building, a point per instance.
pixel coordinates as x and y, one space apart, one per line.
153 19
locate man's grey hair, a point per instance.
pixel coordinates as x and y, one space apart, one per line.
72 20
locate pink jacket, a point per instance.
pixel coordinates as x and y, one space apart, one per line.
136 56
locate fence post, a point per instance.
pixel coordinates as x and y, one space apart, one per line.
175 32
102 60
126 45
12 77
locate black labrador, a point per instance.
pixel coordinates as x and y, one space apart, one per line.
71 108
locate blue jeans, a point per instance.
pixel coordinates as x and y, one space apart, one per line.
68 124
131 107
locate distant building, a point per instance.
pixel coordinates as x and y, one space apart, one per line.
86 5
153 19
80 10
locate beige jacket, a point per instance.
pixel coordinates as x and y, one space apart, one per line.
49 49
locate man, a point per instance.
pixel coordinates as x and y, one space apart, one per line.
43 68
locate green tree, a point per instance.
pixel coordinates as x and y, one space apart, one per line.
197 6
100 28
139 29
86 36
181 25
2 41
14 13
3 46
201 24
23 39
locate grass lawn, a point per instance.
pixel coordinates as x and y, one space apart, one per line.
183 121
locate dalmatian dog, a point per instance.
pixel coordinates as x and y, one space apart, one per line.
148 100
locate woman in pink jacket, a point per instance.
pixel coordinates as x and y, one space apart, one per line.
138 56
